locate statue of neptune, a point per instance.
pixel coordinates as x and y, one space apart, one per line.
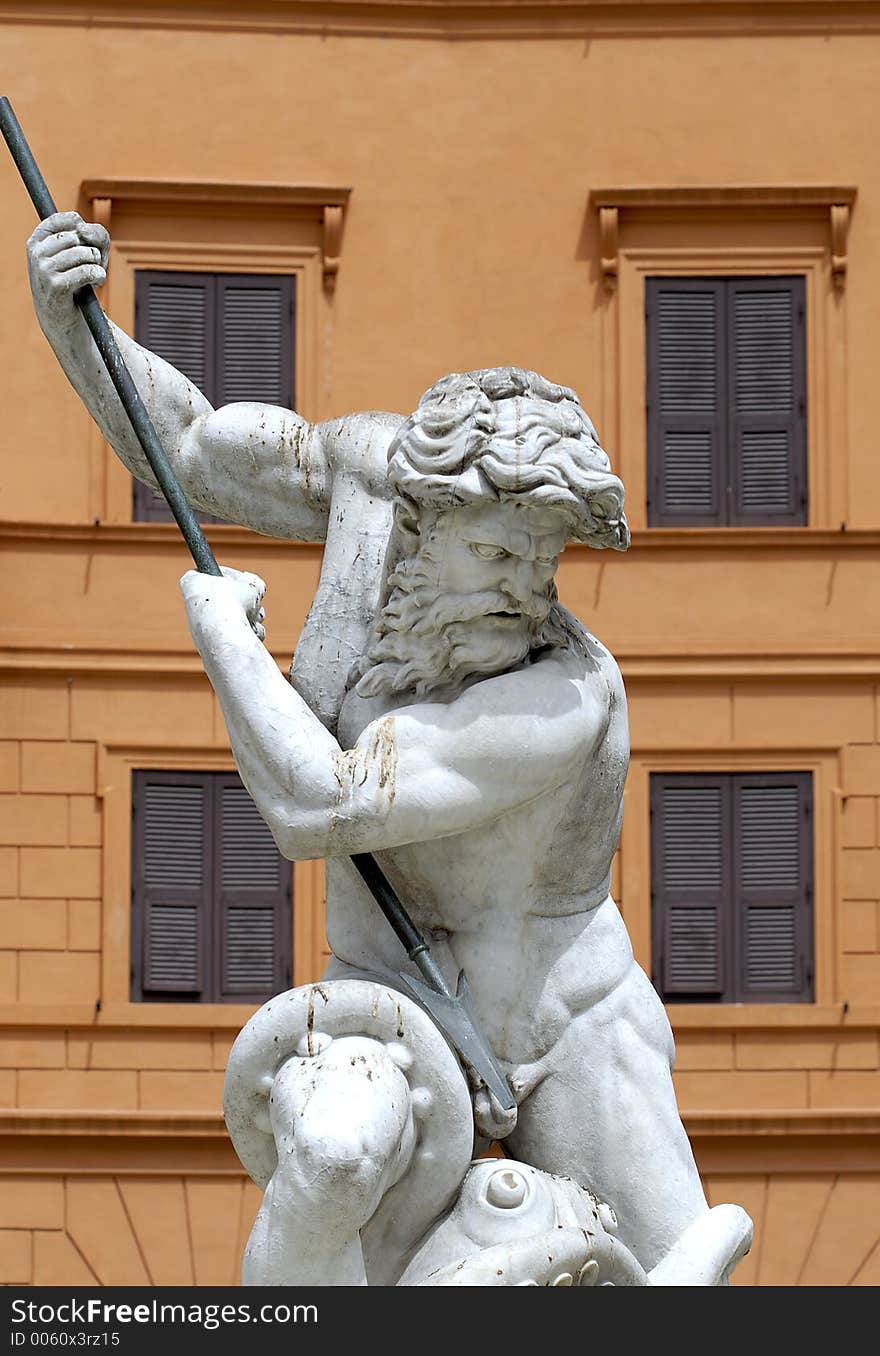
445 713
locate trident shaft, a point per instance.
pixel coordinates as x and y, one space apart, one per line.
451 1011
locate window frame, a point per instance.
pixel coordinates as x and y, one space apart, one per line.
201 227
116 764
216 282
170 259
733 900
825 765
146 507
213 936
725 231
729 512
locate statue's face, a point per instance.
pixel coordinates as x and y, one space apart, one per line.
506 549
472 599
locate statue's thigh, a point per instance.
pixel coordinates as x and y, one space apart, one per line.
605 1114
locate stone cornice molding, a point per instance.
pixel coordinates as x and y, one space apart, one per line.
798 1121
189 1124
724 195
327 203
204 191
778 1019
718 540
781 1142
111 1143
836 201
210 1124
466 19
17 662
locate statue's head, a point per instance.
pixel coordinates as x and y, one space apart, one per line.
491 475
506 435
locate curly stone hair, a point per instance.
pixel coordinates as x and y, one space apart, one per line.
453 450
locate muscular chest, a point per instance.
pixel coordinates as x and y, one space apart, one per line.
467 882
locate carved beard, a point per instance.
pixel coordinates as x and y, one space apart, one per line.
423 641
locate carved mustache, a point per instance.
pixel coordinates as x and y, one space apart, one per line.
464 607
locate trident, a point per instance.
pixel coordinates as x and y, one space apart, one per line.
453 1012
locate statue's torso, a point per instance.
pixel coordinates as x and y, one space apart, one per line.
513 902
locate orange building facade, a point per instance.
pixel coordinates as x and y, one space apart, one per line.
452 187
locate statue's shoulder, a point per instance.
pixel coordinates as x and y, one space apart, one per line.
356 446
588 649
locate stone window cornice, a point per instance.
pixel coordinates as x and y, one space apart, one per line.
613 204
327 203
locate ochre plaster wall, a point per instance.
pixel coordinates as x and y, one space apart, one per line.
469 240
125 1228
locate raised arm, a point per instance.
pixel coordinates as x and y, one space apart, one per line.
422 772
258 465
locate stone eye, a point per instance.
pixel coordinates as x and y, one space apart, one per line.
487 552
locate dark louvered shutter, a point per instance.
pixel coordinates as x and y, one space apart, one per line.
732 894
171 882
231 334
726 401
255 339
175 317
687 401
773 887
211 894
253 886
690 836
768 444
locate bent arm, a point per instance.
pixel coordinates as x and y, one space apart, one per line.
258 465
424 771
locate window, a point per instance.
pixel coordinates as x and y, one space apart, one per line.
293 231
726 402
731 886
721 233
211 894
231 334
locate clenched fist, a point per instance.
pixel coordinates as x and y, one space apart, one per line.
236 588
65 254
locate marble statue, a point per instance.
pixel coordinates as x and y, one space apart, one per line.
444 712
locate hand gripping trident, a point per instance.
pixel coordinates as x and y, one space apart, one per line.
451 1011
